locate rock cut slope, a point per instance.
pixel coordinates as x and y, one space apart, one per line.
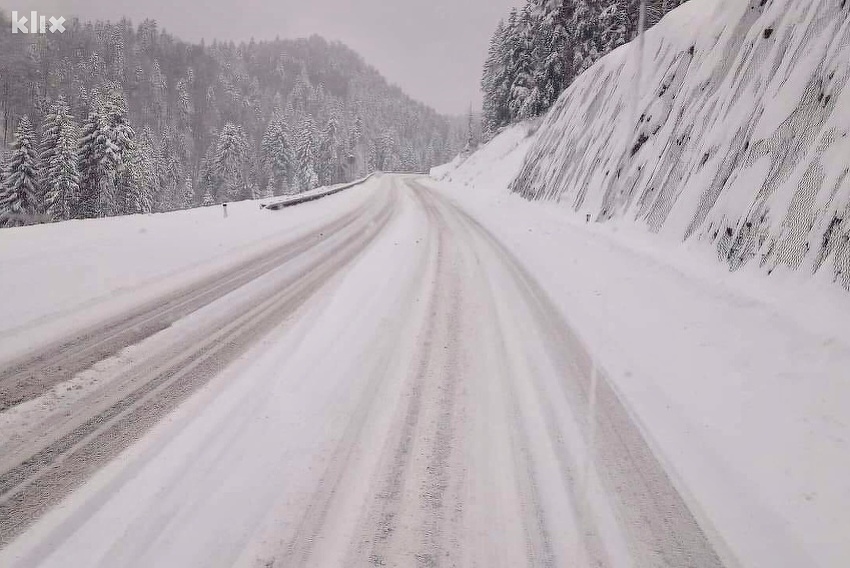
728 123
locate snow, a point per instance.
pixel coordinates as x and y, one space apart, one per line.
108 265
229 454
739 380
730 129
492 163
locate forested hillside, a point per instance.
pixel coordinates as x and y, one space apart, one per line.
109 118
537 52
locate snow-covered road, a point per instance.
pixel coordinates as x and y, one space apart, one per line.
390 388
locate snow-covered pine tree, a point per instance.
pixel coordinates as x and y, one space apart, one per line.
506 70
372 157
597 28
188 193
613 27
385 151
490 77
409 161
141 175
229 164
254 190
470 133
184 103
552 48
307 178
277 153
207 183
106 141
526 99
656 9
60 176
90 165
271 187
330 151
122 136
168 196
208 199
22 202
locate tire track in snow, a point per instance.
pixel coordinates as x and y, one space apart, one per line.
299 549
40 481
29 376
660 528
539 551
538 535
384 508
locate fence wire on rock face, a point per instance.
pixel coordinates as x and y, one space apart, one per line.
738 137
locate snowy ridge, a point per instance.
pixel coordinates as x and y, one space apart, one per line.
737 136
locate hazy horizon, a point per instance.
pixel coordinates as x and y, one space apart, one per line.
433 51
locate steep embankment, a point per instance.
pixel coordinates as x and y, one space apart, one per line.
737 135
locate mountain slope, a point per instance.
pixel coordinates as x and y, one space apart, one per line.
736 136
210 123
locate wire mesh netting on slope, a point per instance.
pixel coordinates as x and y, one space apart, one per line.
729 126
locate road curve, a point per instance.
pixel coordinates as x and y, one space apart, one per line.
399 392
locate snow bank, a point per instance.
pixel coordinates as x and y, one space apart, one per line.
496 161
732 131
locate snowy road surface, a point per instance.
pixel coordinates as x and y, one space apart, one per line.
391 388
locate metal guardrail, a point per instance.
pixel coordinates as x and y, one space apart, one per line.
297 199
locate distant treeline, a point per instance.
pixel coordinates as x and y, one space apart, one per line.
109 119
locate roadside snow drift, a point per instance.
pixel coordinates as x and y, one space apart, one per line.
729 127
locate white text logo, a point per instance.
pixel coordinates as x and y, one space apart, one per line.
37 24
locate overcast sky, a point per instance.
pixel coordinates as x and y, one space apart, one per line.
433 49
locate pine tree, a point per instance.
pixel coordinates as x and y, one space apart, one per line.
60 176
330 151
385 152
271 187
552 50
490 81
307 178
22 201
188 193
207 182
141 176
168 196
507 70
229 163
277 153
90 165
184 102
123 140
470 143
106 141
526 98
613 27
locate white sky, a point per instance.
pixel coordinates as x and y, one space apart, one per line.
433 50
